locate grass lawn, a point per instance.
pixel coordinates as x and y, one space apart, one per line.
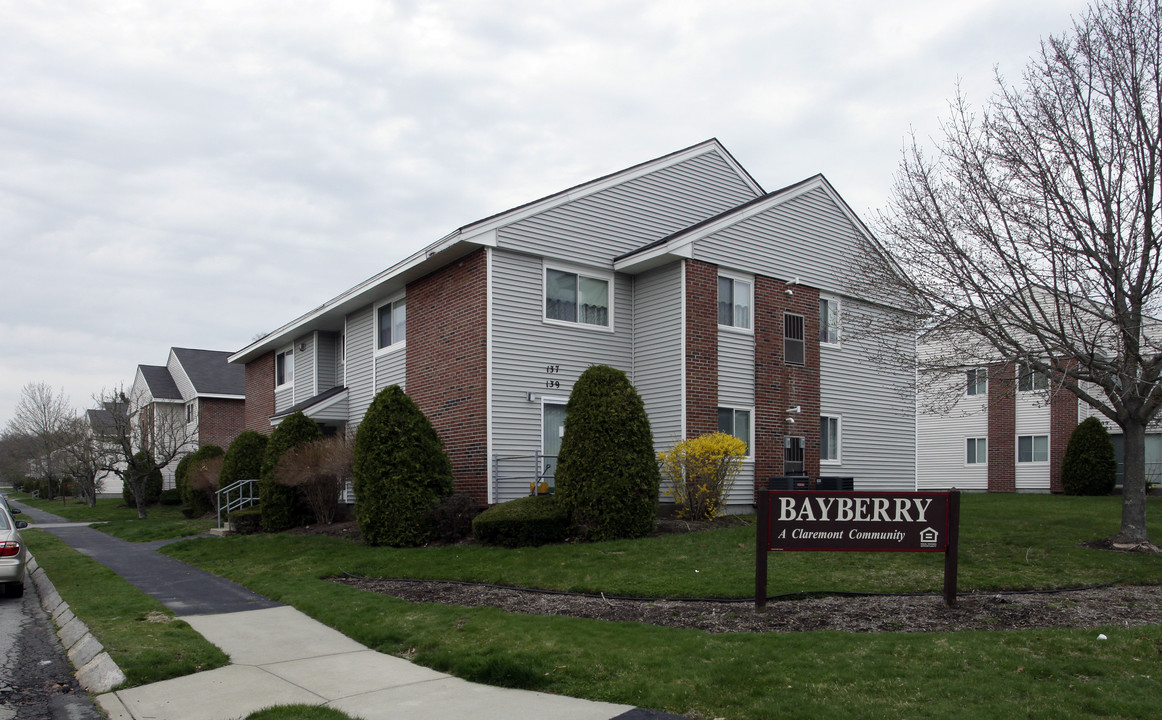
1007 542
163 521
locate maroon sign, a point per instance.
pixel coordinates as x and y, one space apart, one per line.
912 521
899 521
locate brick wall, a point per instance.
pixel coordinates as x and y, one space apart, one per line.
446 364
220 421
779 386
701 348
1063 407
259 394
1002 428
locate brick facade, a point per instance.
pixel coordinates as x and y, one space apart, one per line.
780 386
259 394
701 348
447 364
1002 428
220 421
1063 407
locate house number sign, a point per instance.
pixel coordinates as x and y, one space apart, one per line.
552 383
845 521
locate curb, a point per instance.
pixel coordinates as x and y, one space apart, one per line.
96 671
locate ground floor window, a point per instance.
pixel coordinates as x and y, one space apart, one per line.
1032 448
828 439
977 451
736 422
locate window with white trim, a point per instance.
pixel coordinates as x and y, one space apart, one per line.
391 323
1030 380
794 348
976 382
829 439
576 298
976 451
734 302
284 367
736 422
191 411
1032 448
829 321
829 429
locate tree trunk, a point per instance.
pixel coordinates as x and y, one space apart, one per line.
1133 485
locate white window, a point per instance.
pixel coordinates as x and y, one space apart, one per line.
191 412
391 324
829 321
1032 448
571 297
976 451
1029 380
736 422
977 382
733 302
284 367
829 439
794 349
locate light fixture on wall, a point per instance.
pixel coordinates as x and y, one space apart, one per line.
791 420
532 396
302 346
796 409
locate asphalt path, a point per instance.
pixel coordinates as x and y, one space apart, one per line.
184 589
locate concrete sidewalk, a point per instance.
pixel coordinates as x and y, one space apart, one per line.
280 656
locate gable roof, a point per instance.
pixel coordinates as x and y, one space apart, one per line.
210 371
159 382
463 240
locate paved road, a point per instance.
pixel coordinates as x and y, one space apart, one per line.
36 678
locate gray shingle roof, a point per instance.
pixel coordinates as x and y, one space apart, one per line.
160 382
211 372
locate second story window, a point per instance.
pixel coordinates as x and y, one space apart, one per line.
191 413
733 302
570 297
1029 379
829 321
977 382
391 324
794 349
284 367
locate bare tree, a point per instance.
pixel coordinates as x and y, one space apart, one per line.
141 438
1031 234
17 450
45 416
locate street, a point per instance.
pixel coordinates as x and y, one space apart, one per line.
36 678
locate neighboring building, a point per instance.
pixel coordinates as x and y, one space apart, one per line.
722 302
1005 432
198 396
104 427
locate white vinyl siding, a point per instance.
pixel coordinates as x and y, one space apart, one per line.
658 353
360 363
1033 419
736 389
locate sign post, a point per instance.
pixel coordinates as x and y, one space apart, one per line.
858 521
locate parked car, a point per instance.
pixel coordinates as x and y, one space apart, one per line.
13 554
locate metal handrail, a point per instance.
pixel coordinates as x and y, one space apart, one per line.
537 468
247 495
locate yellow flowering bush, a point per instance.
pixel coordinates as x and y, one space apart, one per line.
699 472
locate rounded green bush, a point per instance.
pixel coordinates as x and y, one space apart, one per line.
284 507
401 472
243 459
1090 466
198 501
607 474
529 521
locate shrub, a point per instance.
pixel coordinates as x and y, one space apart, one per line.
401 472
247 521
171 497
319 470
199 499
453 518
699 472
243 459
1089 466
607 474
152 483
523 522
284 507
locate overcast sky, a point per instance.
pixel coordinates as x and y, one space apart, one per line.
196 174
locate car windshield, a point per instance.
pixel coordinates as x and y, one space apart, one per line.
5 521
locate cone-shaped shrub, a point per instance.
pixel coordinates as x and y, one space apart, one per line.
196 499
1089 466
607 473
243 459
284 507
401 472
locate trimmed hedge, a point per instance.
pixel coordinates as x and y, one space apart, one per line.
453 518
284 507
401 472
607 474
170 497
524 522
247 521
243 459
1089 466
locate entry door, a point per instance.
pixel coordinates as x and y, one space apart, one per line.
553 431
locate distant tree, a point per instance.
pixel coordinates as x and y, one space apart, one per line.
284 507
147 483
401 472
607 475
47 418
1089 466
84 459
1031 235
